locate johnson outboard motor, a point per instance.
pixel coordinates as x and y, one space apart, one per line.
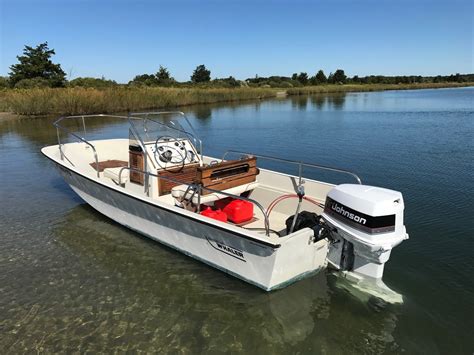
367 222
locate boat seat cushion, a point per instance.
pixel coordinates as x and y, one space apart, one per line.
113 173
178 193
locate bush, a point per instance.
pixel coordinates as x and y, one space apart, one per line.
32 83
92 83
4 82
286 84
295 83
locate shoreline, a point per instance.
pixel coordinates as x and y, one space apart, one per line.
30 103
328 89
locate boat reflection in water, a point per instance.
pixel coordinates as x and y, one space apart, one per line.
140 285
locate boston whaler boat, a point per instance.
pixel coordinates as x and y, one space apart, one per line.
228 213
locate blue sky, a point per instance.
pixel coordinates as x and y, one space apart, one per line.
119 39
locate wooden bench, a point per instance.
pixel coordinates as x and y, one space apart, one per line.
227 174
108 164
220 176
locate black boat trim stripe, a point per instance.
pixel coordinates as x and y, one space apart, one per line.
275 246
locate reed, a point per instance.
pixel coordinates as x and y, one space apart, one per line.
323 89
78 100
3 101
73 101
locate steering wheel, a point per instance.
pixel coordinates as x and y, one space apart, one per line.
169 154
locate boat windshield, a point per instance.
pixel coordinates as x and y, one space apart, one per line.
151 126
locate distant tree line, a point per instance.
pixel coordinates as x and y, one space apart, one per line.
36 69
339 77
408 79
201 76
301 79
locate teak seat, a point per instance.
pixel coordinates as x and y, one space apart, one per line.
227 174
220 176
106 164
117 174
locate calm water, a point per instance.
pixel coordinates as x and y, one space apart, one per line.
73 280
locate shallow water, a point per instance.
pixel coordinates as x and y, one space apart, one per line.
73 280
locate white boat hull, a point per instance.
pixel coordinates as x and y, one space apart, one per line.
138 181
266 265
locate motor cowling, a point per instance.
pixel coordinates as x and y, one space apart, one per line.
367 222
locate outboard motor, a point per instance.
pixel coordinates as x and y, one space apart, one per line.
366 222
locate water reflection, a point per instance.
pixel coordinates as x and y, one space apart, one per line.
35 130
140 280
336 101
295 309
202 112
318 101
42 132
140 267
299 102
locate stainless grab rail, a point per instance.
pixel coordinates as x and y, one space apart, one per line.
83 139
64 129
199 188
299 163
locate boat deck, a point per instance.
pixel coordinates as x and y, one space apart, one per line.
114 154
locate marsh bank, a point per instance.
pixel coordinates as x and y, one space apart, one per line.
71 101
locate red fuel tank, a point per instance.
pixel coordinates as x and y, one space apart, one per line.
238 211
214 214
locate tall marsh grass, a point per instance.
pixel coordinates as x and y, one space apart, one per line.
78 100
72 101
323 89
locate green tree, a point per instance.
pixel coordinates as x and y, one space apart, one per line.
163 76
330 78
303 78
201 74
320 77
36 63
339 76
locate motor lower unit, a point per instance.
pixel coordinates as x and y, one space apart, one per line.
366 223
